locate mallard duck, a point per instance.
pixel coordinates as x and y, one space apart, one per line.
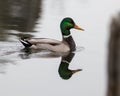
66 45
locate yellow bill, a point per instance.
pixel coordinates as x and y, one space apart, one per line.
77 27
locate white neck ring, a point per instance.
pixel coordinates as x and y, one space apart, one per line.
67 36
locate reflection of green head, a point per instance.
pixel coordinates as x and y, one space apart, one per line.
64 72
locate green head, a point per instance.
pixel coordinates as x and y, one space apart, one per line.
67 24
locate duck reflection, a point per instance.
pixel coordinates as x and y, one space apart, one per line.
64 71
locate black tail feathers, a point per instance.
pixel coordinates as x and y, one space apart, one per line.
25 42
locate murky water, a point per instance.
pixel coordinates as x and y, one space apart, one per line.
27 73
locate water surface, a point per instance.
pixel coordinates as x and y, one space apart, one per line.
26 73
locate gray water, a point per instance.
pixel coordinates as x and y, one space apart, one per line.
37 73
